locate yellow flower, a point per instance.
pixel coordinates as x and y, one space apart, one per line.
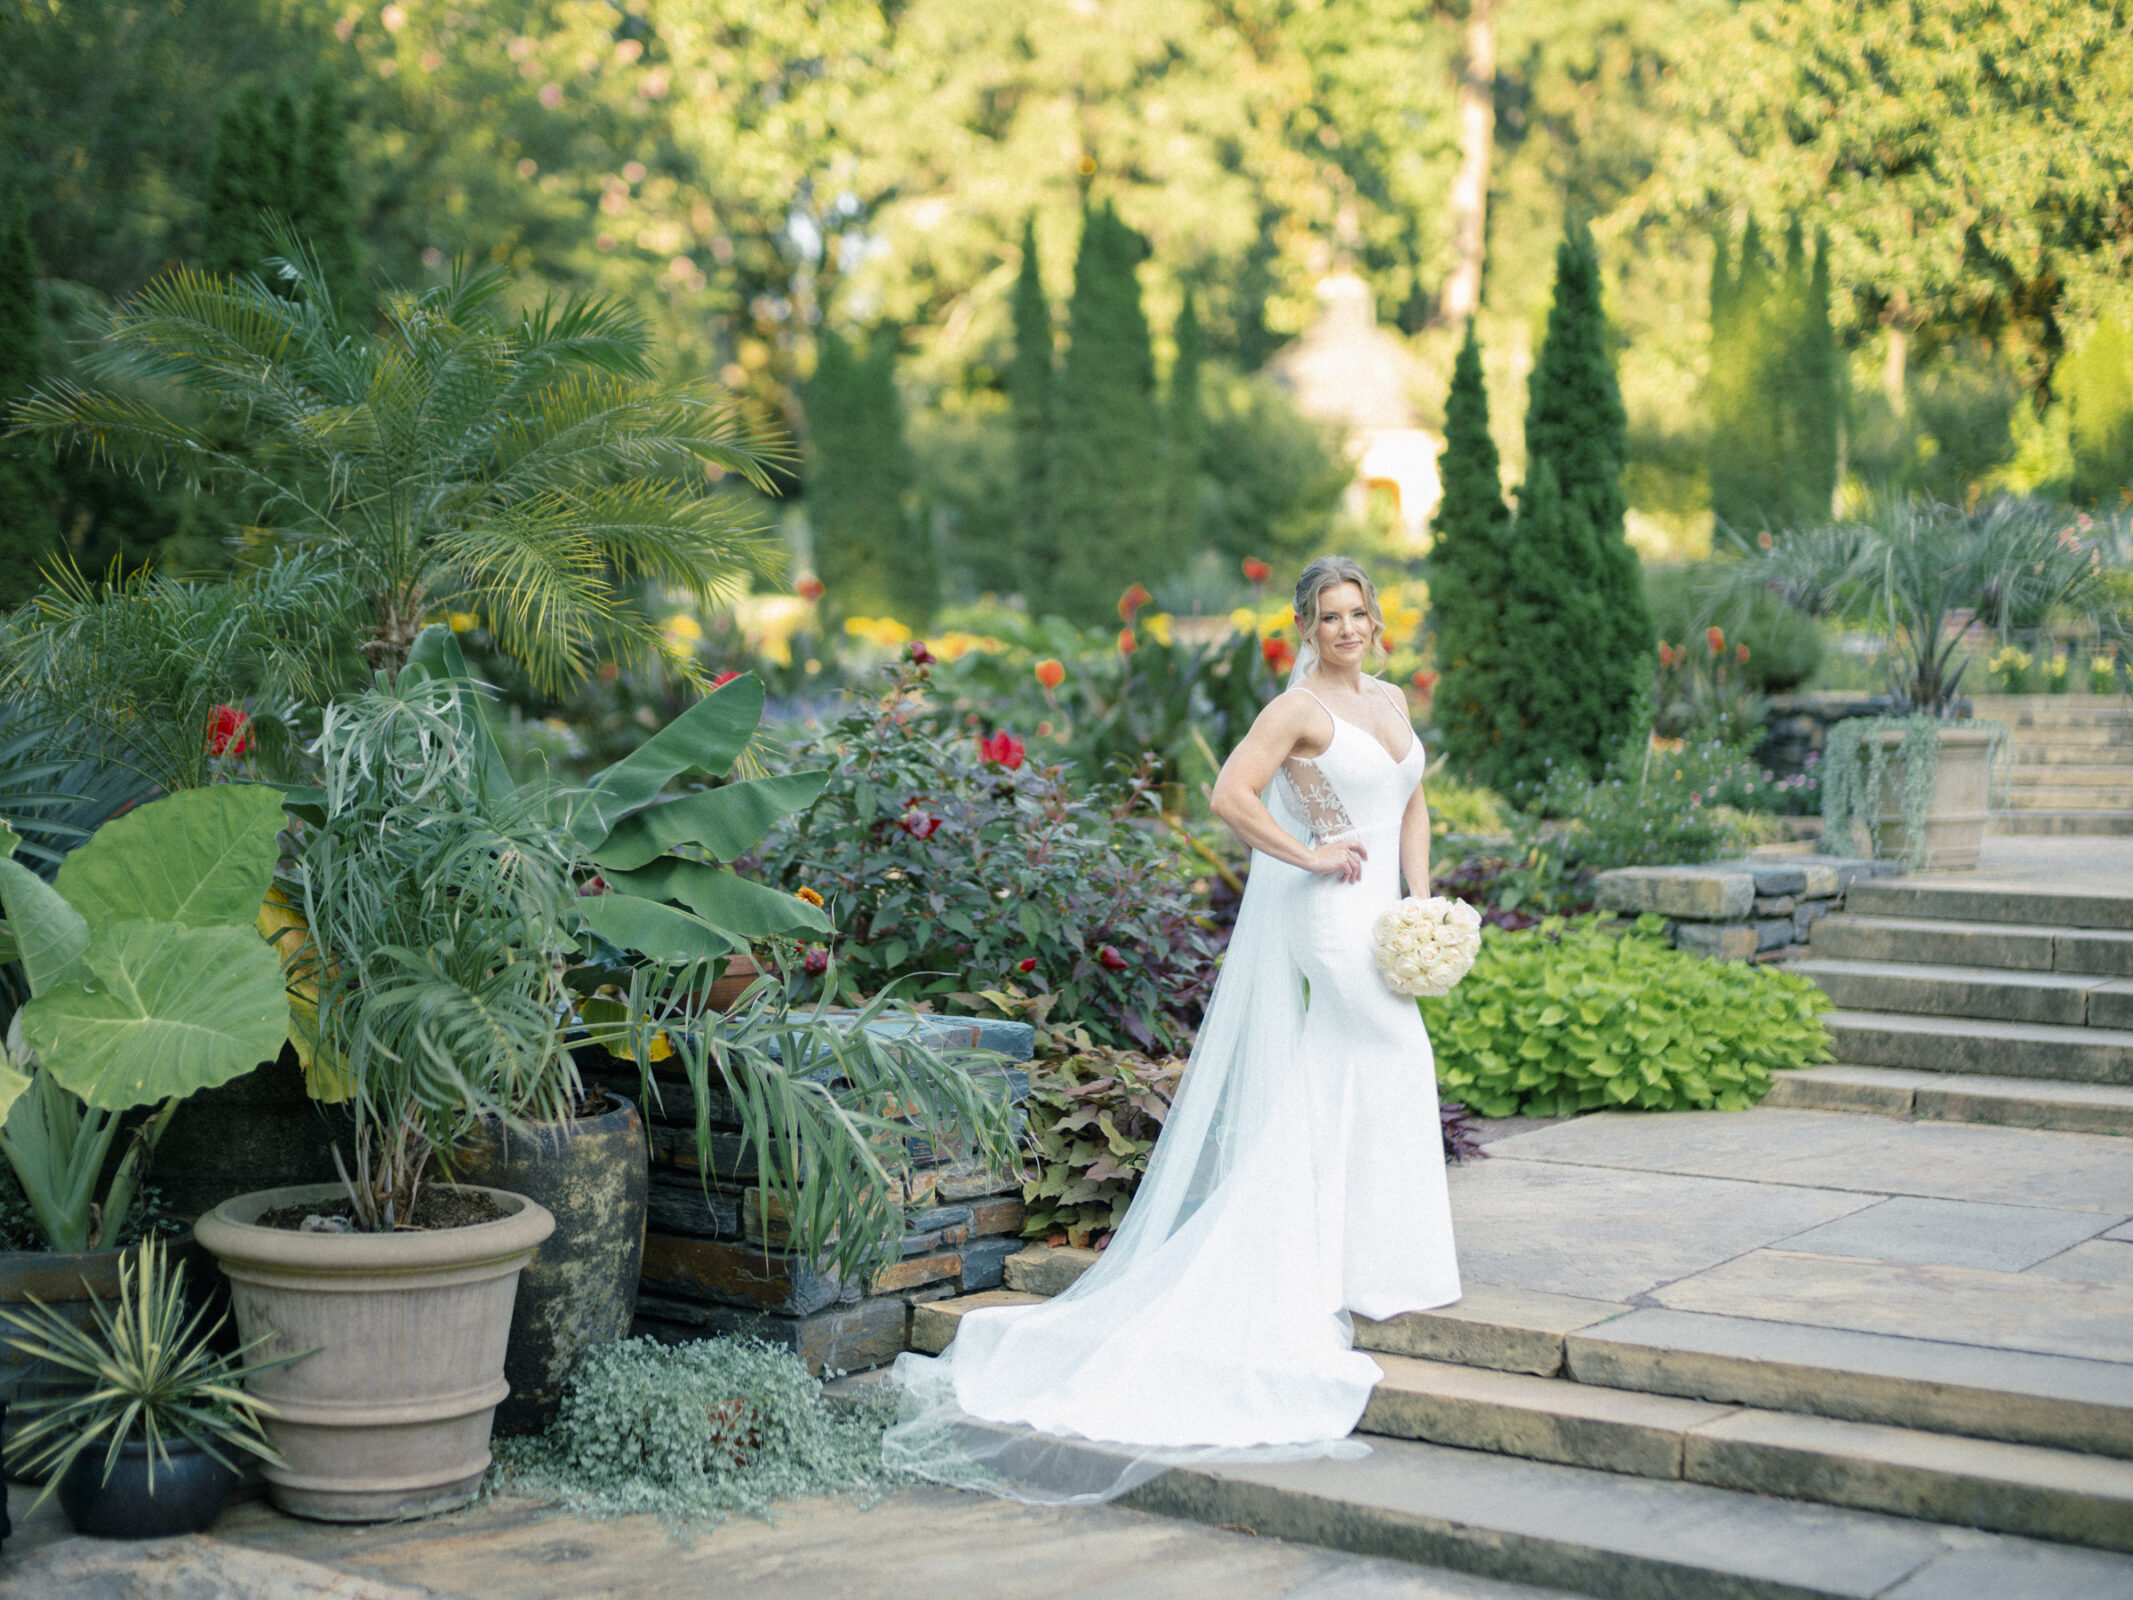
1244 619
1158 626
955 644
683 626
809 896
886 632
463 621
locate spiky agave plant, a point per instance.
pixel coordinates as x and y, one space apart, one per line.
526 468
144 1369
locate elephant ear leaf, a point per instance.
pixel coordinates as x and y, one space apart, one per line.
726 822
658 932
13 1085
49 934
707 738
740 906
202 858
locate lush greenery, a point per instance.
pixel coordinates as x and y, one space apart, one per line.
1569 1017
29 531
146 1370
692 1433
875 555
1470 582
1094 1119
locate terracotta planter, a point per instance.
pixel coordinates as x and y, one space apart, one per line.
390 1416
1962 791
581 1288
731 983
63 1280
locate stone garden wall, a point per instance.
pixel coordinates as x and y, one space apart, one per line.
710 1269
1751 910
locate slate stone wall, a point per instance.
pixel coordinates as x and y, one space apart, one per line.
1757 909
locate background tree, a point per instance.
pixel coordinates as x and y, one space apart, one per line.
255 174
1576 428
2097 383
1030 401
1556 710
869 552
1184 441
322 206
29 534
1107 490
1775 390
1470 580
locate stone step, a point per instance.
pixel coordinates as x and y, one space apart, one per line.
1914 897
1996 1049
2021 776
2017 947
1956 1097
2101 733
1618 1537
2063 824
2042 1493
2050 710
2069 755
2108 802
2067 998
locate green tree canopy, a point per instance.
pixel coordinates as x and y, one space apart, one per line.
872 555
1470 580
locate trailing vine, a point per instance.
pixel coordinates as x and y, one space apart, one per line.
1855 769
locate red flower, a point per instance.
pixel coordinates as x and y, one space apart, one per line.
1131 601
810 587
919 825
1044 730
1004 748
1049 673
1127 644
1666 654
817 962
1741 650
1425 681
723 679
1256 571
920 654
1715 637
1026 964
1764 539
227 732
593 885
1110 958
1279 654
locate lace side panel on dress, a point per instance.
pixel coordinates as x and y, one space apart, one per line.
1315 800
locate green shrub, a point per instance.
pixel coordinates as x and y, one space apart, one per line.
1459 807
1093 1120
1569 1017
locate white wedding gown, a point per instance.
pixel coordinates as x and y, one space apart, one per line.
1299 1177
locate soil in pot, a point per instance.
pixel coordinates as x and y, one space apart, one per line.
436 1207
581 1286
190 1490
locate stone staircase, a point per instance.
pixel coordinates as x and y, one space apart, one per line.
1632 1452
2073 763
1975 1004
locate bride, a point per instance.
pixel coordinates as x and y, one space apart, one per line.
1300 1174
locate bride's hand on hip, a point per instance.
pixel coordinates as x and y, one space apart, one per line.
1342 859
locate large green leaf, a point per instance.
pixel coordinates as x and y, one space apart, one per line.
49 934
436 652
13 1086
706 738
724 899
201 857
725 822
660 933
166 1011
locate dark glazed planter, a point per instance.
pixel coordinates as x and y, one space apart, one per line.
63 1280
191 1488
581 1287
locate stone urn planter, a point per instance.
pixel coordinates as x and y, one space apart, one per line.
390 1414
581 1287
1960 810
63 1280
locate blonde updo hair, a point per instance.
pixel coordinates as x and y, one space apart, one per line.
1329 572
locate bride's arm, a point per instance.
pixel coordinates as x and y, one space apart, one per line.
1286 722
1414 846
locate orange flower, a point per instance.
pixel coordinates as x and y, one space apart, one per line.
809 895
1741 650
1715 636
1278 653
1666 654
1764 539
1131 601
1050 673
1256 571
810 587
1127 644
1425 682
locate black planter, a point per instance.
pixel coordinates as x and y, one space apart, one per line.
581 1287
191 1488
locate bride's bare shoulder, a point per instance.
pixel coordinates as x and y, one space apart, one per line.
1298 720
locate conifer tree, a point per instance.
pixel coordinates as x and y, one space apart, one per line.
257 140
1775 389
1470 578
1029 395
1106 467
320 204
1576 427
859 477
29 531
1184 426
1557 706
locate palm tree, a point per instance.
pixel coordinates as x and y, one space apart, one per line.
527 469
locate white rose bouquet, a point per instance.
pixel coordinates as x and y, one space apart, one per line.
1426 946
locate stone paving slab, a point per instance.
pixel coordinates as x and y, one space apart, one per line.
1506 1330
1599 1234
1815 1149
1954 1305
2103 1261
1952 1233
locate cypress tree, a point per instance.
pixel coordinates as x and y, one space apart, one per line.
859 479
1576 427
1184 425
1775 389
2097 384
1470 578
320 205
257 138
1555 704
1106 481
29 530
1029 394
1820 391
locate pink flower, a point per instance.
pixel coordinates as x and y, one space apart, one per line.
228 732
1109 957
817 962
919 825
1004 748
920 655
